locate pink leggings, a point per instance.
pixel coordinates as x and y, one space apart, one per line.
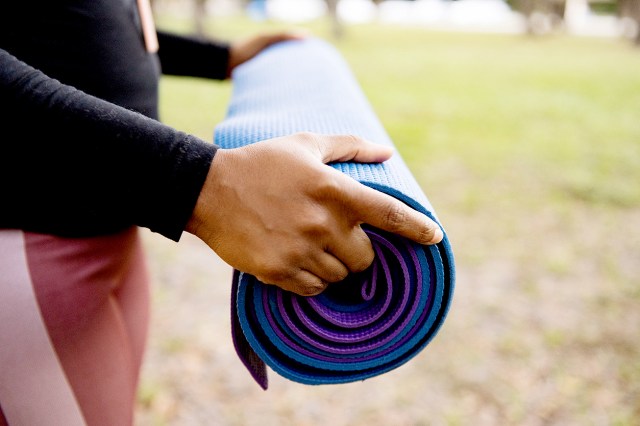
73 326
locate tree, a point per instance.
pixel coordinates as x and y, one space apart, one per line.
534 9
199 15
631 9
337 29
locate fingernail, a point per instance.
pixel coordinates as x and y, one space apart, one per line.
438 235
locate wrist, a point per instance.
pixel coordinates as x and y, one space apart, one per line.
204 206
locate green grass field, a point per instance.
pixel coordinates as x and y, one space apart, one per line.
529 149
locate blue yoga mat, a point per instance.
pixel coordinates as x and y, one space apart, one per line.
374 321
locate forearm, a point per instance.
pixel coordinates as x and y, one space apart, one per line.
72 164
185 56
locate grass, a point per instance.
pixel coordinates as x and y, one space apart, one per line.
529 149
488 101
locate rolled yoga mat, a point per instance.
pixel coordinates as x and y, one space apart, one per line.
374 321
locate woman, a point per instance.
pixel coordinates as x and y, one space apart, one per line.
81 253
84 162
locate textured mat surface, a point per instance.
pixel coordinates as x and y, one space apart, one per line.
374 321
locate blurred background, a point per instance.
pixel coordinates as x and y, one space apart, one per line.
520 121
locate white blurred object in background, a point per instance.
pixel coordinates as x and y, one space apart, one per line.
580 20
461 15
296 10
357 11
447 15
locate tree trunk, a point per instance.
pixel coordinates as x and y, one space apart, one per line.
336 26
199 15
631 9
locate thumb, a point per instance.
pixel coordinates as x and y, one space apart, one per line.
336 148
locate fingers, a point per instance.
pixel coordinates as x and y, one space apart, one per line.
389 214
245 49
332 148
303 283
354 250
314 276
270 39
300 230
369 205
327 267
322 268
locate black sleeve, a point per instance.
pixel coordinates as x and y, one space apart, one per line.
185 56
74 165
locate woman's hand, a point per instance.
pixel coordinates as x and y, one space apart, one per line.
245 49
274 209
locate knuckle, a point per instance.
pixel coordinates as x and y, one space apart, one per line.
326 186
354 140
395 217
363 251
272 274
319 224
306 137
349 138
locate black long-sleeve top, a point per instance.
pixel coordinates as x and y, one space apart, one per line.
81 150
